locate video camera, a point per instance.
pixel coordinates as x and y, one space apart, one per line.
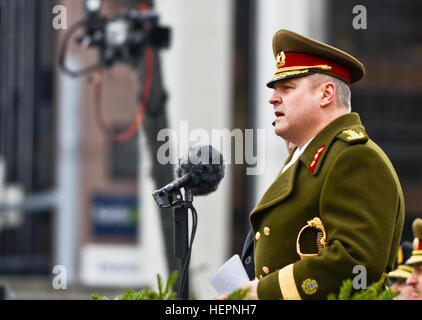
120 39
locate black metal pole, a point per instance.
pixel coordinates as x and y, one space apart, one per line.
181 246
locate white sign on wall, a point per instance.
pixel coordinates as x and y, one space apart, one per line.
112 265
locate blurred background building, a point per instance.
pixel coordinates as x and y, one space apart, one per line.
72 196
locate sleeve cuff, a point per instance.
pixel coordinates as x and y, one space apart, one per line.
287 283
279 285
268 288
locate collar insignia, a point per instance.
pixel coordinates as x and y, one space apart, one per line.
316 158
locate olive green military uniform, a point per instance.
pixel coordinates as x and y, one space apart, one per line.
340 205
354 190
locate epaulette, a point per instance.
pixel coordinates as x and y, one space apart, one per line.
353 136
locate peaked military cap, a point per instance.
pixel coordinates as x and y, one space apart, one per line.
401 270
417 243
298 56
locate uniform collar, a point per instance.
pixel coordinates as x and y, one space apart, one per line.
320 145
297 152
282 187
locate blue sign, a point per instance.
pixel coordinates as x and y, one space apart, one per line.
115 215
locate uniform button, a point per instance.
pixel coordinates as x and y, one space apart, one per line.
257 235
267 231
260 277
266 270
248 260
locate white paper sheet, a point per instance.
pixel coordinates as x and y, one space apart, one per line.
230 276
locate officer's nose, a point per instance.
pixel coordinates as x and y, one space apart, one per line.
275 98
412 279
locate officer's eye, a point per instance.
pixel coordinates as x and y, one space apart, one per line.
287 87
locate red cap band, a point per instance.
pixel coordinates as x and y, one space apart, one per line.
300 59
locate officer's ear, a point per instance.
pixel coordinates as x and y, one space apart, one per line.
328 93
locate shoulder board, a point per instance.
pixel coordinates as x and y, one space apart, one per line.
353 136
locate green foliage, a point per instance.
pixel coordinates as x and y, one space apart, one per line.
373 292
95 296
147 294
165 292
239 294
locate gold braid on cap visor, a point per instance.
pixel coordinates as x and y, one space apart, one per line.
290 71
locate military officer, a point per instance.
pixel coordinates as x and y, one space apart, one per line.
402 271
414 281
337 202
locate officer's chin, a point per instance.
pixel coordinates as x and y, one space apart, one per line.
278 131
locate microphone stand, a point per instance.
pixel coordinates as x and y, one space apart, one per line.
182 245
182 249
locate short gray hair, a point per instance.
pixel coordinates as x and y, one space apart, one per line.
344 95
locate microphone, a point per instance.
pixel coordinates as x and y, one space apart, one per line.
200 170
205 167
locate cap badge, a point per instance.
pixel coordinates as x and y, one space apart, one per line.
281 59
417 245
